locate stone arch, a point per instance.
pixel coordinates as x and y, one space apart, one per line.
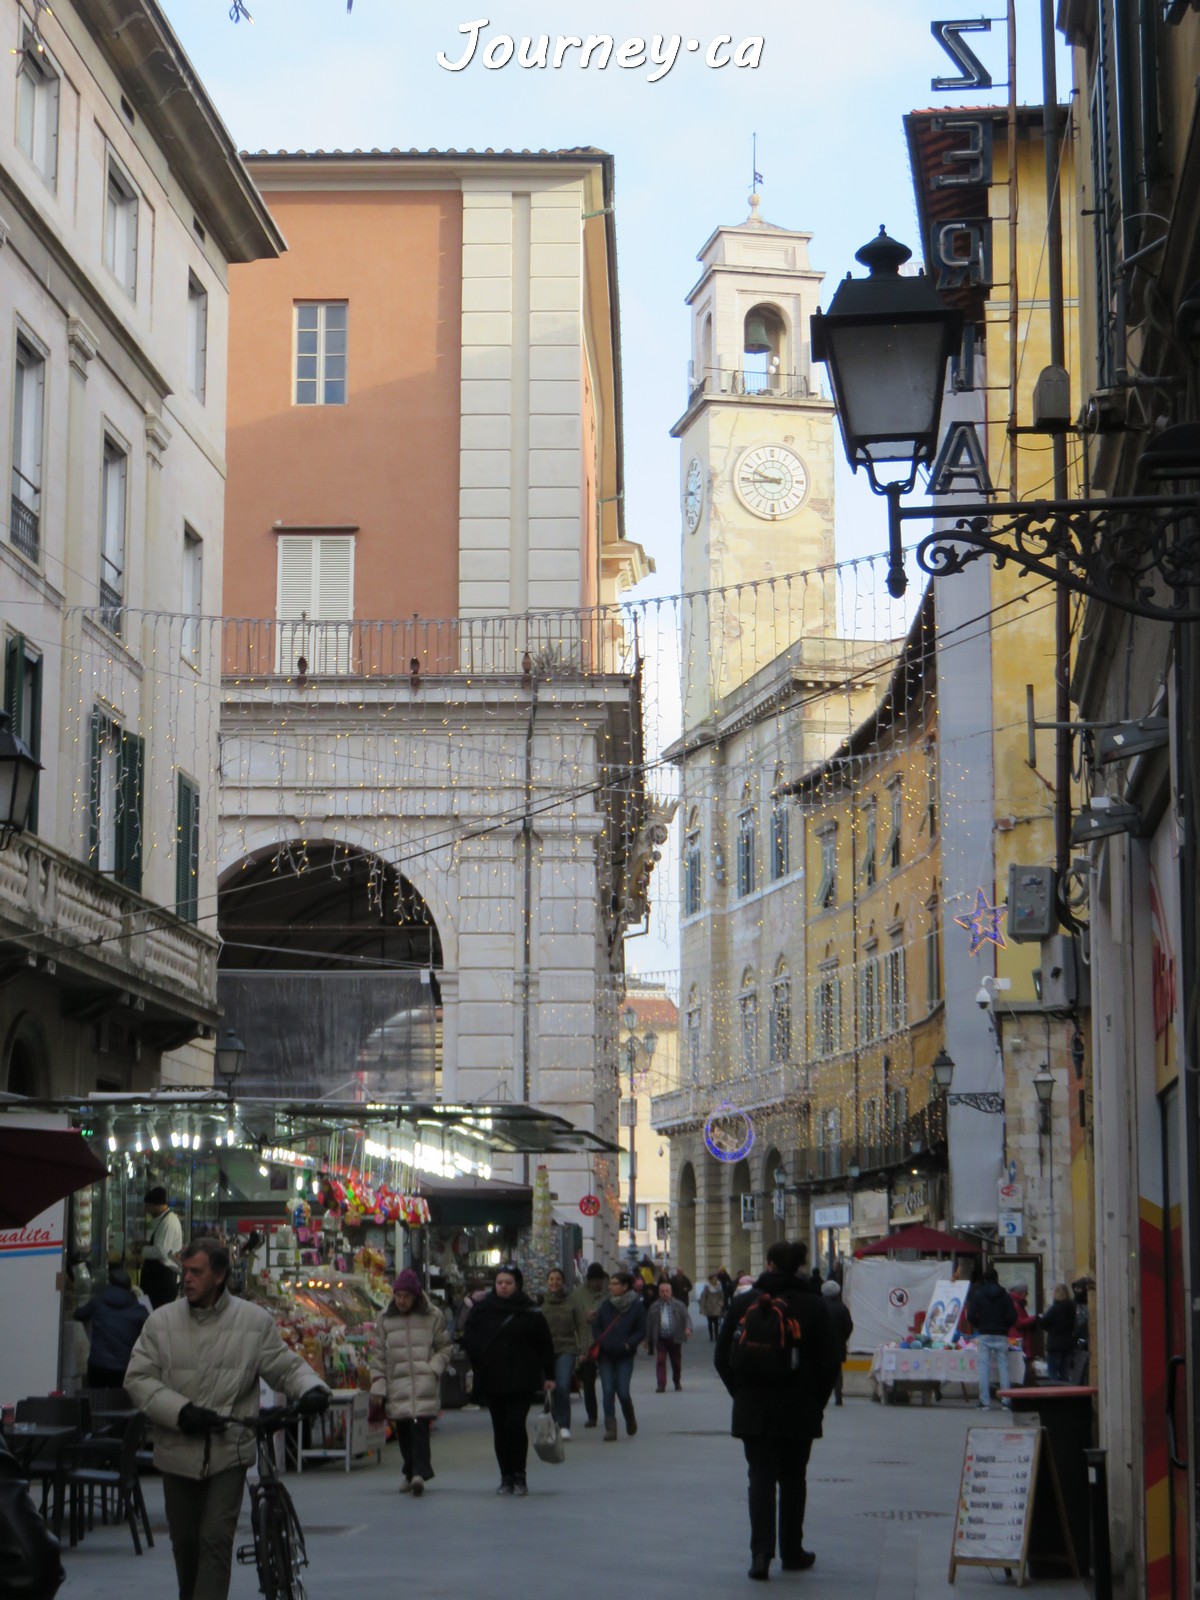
685 1222
769 357
26 1059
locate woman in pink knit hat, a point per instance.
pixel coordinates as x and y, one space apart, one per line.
412 1350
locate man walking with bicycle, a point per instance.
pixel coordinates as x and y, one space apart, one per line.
199 1360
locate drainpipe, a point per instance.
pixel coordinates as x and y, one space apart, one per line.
527 932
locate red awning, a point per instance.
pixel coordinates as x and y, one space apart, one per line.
925 1241
39 1166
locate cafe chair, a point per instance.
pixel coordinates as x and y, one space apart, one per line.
121 1479
48 1461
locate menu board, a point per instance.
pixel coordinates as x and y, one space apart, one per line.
995 1500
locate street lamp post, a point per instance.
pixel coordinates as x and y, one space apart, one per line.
18 775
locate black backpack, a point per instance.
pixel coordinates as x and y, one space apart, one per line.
766 1341
30 1568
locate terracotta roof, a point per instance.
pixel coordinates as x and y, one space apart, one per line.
658 1008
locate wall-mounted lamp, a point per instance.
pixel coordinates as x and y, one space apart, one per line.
1043 1087
1104 816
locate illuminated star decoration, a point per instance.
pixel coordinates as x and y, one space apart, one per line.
983 924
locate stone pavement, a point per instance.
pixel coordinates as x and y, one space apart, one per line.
663 1513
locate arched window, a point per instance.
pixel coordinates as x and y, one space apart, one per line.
692 866
748 1011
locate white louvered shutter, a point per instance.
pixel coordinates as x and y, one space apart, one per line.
296 600
335 602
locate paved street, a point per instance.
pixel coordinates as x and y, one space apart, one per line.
882 1487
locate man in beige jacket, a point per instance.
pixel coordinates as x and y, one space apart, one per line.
197 1360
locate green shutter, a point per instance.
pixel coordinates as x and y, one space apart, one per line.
93 854
187 850
14 679
129 811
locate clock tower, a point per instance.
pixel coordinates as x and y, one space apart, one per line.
756 463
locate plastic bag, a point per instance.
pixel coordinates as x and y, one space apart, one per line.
547 1440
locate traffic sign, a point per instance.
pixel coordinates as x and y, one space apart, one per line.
1012 1224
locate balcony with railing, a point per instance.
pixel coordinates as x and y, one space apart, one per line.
558 645
751 384
25 516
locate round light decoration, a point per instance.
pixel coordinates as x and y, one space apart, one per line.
728 1133
590 1205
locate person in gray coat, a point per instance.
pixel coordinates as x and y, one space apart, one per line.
411 1351
199 1360
668 1327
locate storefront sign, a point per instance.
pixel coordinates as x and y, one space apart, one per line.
974 75
831 1216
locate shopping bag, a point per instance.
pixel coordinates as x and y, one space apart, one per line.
547 1440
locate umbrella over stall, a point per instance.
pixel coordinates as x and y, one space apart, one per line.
39 1166
925 1241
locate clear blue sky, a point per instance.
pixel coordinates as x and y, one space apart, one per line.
835 79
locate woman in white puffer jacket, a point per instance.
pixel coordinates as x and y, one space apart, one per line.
412 1350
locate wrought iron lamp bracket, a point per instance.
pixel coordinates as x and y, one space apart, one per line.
1119 551
991 1105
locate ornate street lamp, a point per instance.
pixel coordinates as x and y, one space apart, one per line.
886 349
1043 1087
229 1058
989 1103
19 768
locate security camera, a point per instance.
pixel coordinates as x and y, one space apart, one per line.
983 999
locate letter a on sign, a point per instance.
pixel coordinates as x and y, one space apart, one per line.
974 74
960 463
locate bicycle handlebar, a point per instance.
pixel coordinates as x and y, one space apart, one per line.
269 1420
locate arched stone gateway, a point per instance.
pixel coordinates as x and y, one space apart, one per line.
685 1226
329 971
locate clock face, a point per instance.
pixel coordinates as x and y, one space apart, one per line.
693 494
771 481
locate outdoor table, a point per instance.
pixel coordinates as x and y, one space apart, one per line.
25 1439
923 1371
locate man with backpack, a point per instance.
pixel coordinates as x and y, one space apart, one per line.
777 1356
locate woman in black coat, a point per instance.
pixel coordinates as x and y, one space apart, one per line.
1059 1325
512 1356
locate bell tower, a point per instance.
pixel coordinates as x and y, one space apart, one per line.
755 461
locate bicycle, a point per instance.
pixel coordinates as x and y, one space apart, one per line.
278 1550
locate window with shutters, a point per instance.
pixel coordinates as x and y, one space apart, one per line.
1105 205
694 1020
933 959
115 792
121 228
197 337
827 1015
827 884
748 1012
29 402
320 355
747 849
780 840
779 1020
37 108
191 598
895 997
692 867
315 604
868 1001
23 702
870 847
114 492
187 849
894 846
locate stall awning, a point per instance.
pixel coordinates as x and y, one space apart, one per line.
473 1203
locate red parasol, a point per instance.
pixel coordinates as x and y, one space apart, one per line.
39 1166
925 1241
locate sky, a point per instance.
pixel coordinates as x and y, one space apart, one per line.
826 100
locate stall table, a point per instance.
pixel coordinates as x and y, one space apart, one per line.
896 1372
350 1408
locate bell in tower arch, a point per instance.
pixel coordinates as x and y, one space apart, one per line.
758 338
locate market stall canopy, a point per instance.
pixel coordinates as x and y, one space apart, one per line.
474 1202
922 1241
39 1166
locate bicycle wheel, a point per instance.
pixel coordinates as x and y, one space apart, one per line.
264 1548
281 1533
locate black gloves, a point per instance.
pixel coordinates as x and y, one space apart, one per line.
312 1402
199 1419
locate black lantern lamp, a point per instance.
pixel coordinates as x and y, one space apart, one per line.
229 1058
943 1070
886 340
19 768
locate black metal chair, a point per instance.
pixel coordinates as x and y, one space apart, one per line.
121 1479
47 1461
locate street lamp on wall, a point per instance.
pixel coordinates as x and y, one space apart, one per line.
886 348
1043 1087
942 1068
19 768
229 1058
